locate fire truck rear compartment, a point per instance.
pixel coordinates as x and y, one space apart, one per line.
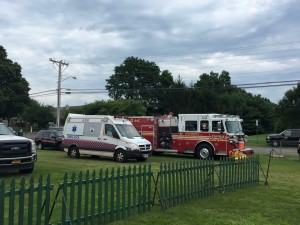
165 137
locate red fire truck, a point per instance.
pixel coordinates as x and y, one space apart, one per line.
201 135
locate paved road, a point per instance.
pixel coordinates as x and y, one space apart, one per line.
277 151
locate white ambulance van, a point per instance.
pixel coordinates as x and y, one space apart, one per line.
104 136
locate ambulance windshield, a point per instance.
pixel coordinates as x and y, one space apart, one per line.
127 130
233 127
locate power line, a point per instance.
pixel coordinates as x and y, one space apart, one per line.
49 93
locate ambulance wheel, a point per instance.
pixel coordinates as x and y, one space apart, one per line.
204 151
120 156
73 152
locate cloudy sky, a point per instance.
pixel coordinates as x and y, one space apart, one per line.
257 42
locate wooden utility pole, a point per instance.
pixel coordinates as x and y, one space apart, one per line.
60 65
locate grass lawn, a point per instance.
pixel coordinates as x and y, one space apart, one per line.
257 141
278 203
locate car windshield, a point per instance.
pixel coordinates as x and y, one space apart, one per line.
127 130
233 127
4 130
286 133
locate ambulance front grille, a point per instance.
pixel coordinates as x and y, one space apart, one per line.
145 147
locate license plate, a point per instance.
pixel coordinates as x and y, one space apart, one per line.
145 155
17 161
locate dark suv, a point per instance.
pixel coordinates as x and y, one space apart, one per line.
49 138
288 137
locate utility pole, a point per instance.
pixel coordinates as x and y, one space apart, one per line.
60 65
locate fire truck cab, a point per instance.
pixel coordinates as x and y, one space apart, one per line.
201 135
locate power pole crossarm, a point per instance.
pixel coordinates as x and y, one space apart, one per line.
60 65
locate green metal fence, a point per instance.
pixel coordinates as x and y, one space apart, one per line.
238 173
25 203
184 181
106 196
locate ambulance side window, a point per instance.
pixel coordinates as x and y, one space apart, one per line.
111 131
204 125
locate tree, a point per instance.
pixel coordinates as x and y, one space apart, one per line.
36 113
289 109
250 108
14 89
112 107
216 94
138 79
214 81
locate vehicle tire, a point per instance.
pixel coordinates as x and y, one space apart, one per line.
120 156
204 151
30 170
40 145
275 143
74 153
59 146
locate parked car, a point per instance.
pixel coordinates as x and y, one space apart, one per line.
49 139
289 137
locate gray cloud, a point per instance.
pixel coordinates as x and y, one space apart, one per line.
253 40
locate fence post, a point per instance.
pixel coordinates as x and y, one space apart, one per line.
30 200
21 200
86 202
93 196
2 198
12 201
46 205
112 192
39 200
123 193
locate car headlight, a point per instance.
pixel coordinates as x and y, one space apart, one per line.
33 149
133 147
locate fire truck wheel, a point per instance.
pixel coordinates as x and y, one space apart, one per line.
73 152
120 156
204 151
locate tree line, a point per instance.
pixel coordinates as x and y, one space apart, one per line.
139 87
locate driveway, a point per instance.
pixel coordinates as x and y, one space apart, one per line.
277 151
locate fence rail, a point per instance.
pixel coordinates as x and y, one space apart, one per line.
106 196
238 173
184 181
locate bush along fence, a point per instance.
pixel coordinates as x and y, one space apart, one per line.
105 196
